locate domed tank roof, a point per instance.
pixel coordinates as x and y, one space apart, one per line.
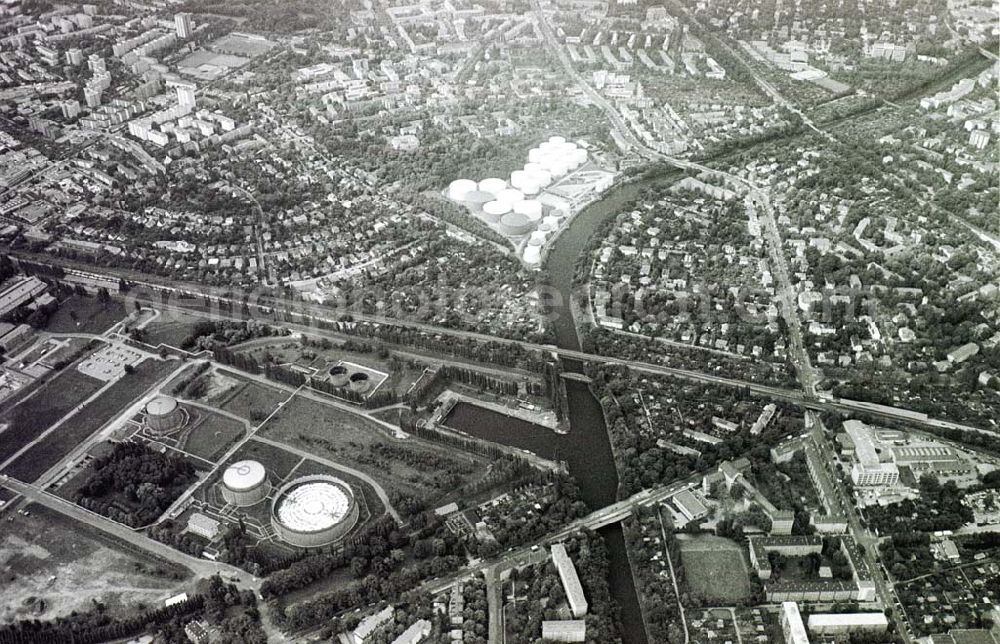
244 475
528 207
161 406
532 255
510 195
497 208
492 185
459 188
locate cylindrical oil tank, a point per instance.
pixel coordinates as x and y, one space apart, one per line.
528 207
537 238
494 210
477 198
517 178
245 483
510 195
459 188
492 185
532 255
553 222
515 224
557 139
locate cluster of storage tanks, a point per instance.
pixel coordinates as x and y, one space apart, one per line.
511 205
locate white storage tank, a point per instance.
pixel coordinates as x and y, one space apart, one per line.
492 185
535 155
494 210
532 167
517 178
541 176
553 222
532 255
530 187
459 188
537 238
545 227
510 195
245 483
557 139
528 208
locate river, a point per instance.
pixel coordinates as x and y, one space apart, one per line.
586 448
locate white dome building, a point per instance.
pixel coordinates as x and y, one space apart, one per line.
245 483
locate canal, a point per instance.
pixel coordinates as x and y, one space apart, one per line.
586 448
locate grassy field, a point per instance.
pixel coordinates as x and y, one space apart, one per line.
91 315
51 562
246 398
410 467
36 414
211 434
714 569
44 455
171 328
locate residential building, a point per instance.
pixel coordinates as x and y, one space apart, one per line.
570 580
183 25
415 633
564 630
848 623
791 624
369 625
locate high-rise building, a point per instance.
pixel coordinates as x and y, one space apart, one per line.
92 95
185 96
70 109
183 24
74 57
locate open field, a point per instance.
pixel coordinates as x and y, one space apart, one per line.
44 455
91 315
409 467
36 414
210 434
237 395
171 328
50 561
714 569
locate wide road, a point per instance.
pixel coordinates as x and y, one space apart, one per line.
866 540
200 567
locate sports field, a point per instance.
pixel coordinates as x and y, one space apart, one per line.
714 569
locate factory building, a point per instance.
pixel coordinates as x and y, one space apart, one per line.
570 580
